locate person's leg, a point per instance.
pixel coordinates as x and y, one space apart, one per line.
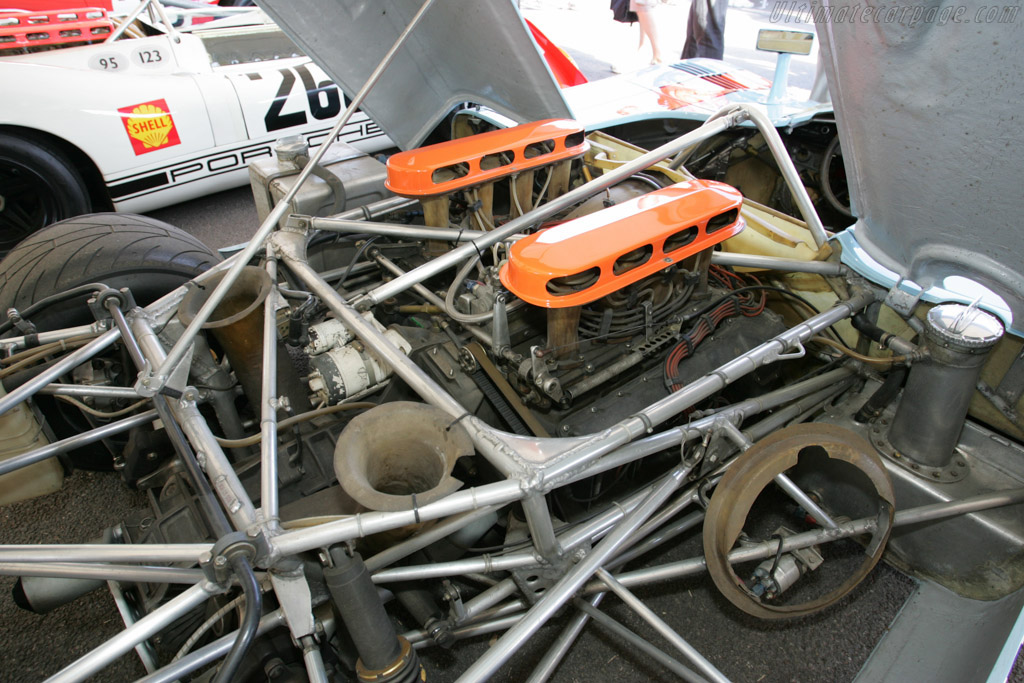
649 28
705 29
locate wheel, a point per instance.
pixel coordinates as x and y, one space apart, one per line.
850 483
120 250
833 178
39 185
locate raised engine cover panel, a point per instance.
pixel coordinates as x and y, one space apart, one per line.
460 52
592 256
929 117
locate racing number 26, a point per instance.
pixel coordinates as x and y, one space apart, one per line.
276 120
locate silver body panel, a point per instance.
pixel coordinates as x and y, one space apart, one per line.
463 51
929 117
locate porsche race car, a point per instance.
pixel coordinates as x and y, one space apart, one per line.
549 366
138 124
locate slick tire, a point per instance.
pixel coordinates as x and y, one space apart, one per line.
148 256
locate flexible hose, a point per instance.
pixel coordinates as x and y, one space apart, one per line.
449 299
100 413
250 619
294 420
30 356
859 356
883 396
827 159
206 626
53 299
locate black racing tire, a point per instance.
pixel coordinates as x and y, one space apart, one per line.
39 185
148 256
120 250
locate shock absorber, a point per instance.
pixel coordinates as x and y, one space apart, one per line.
384 657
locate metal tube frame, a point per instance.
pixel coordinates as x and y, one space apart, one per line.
532 467
673 665
709 670
155 380
269 401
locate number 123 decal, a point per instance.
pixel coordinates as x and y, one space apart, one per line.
324 99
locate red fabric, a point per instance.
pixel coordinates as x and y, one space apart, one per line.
565 70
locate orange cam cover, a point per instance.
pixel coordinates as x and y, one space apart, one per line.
592 256
465 162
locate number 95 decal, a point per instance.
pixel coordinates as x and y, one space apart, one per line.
111 62
323 99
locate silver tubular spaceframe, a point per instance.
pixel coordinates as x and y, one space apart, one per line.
531 467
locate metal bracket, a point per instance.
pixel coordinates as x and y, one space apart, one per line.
500 337
543 379
217 564
454 599
293 594
799 352
1011 387
998 400
903 297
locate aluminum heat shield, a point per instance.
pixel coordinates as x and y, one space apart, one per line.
932 129
462 51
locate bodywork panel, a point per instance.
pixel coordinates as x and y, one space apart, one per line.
929 118
453 57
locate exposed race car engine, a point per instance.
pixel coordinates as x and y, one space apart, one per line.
452 411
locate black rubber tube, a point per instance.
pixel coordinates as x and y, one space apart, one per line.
861 323
883 396
250 620
15 380
356 598
37 306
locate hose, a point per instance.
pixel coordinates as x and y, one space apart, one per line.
859 356
29 356
883 396
53 299
449 299
294 420
206 626
831 152
250 619
99 413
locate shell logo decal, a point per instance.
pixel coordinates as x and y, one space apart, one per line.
150 126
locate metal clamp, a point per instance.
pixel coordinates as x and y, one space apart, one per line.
217 567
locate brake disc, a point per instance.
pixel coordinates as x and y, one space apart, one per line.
754 470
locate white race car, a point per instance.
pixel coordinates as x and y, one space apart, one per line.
133 125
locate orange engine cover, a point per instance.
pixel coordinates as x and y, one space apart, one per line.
465 162
592 256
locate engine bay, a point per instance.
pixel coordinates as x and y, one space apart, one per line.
469 403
